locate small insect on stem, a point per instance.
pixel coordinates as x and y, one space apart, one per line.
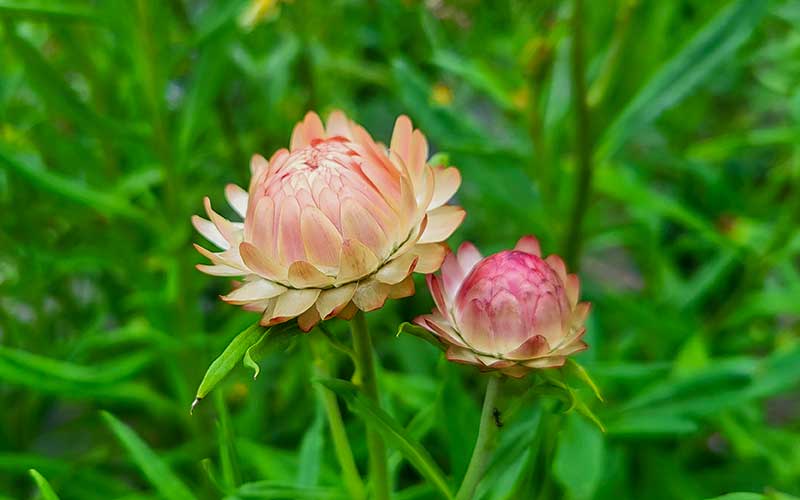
497 420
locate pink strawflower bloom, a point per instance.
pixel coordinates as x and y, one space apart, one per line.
512 311
334 223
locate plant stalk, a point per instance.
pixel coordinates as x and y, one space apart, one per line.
484 445
341 445
362 344
572 243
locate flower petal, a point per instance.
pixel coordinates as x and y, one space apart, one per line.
348 312
468 255
445 184
225 227
257 262
237 198
430 257
257 165
442 222
210 232
306 131
534 347
292 304
529 244
308 319
356 262
253 291
338 125
359 224
557 264
403 289
303 274
221 270
332 301
370 295
321 239
397 270
572 286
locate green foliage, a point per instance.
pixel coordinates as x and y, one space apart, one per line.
116 118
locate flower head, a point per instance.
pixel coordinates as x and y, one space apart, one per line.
334 223
512 311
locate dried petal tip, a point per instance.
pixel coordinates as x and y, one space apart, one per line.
511 312
194 403
334 223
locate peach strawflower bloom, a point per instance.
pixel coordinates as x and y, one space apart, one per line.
512 311
335 223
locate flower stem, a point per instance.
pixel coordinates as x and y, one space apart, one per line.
484 446
572 243
362 344
341 445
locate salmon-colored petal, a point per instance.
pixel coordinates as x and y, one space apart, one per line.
304 275
260 227
291 247
534 347
338 125
468 255
237 198
397 270
557 264
258 164
430 257
452 276
254 291
437 292
403 289
417 156
359 224
306 131
257 262
332 301
442 222
529 244
308 319
321 239
401 137
371 294
356 262
446 182
572 285
292 304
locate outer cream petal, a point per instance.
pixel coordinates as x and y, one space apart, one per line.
210 232
557 264
348 312
219 270
397 270
260 264
356 262
371 294
332 301
321 239
308 319
403 289
442 222
225 227
292 304
304 275
237 198
252 291
257 165
446 183
572 286
338 125
430 257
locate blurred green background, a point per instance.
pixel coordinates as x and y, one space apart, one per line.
117 117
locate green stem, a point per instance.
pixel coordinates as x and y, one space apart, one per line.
365 365
341 445
572 244
484 446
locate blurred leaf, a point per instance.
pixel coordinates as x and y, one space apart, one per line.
56 11
391 431
276 490
718 40
44 487
312 449
31 168
421 333
154 469
578 463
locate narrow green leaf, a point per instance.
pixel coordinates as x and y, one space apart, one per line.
572 367
154 469
221 366
44 487
282 491
45 10
421 333
391 431
697 60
